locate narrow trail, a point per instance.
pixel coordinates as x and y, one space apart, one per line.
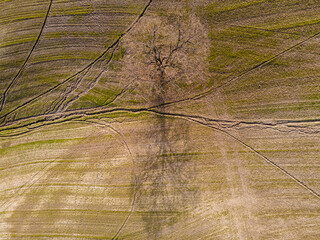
64 94
4 116
298 181
117 235
54 118
206 122
5 93
295 179
134 197
195 97
266 159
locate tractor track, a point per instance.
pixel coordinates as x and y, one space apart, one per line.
244 73
266 159
115 43
63 106
195 97
5 93
21 190
134 197
54 118
206 122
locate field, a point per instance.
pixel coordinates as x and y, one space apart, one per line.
158 119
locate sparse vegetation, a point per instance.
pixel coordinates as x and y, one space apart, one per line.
158 119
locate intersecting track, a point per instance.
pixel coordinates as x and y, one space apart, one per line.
233 79
200 120
301 183
63 95
4 95
195 97
54 118
193 118
62 102
134 197
21 190
113 45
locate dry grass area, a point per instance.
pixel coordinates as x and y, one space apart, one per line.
157 119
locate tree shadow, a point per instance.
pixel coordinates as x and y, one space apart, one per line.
165 176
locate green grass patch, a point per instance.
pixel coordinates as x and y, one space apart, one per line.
74 11
129 8
312 96
57 35
15 41
22 17
65 56
294 23
37 144
224 6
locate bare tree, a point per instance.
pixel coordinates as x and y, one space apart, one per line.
167 60
164 61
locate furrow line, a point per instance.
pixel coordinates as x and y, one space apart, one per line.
52 117
21 190
272 163
65 104
106 124
233 79
3 117
5 93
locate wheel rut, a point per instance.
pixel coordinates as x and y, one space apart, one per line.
83 70
15 78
